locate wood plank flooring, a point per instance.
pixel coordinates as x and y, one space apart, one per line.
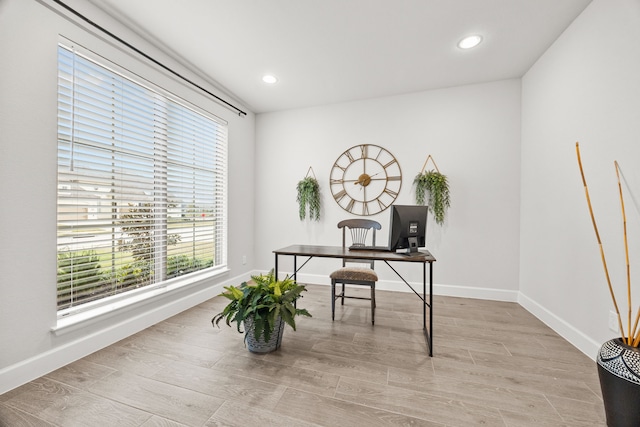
494 364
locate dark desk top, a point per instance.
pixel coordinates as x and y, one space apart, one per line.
340 252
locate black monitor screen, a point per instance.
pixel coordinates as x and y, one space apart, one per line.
408 227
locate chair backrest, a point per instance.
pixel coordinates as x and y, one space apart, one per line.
359 231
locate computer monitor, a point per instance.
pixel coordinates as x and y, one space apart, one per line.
407 228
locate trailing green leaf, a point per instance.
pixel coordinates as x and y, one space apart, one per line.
309 196
435 186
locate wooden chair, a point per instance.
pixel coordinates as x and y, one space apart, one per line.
356 275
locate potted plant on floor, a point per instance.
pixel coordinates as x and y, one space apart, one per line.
618 359
262 307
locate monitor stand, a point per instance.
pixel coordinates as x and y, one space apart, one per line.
413 244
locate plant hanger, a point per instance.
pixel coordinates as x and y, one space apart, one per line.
427 161
312 173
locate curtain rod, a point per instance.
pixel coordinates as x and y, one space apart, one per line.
138 51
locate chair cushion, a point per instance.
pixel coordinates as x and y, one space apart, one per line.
354 273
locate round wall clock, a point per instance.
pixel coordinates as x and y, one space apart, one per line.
365 179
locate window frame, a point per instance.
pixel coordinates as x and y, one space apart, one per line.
74 314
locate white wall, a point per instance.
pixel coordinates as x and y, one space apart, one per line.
473 133
28 83
585 88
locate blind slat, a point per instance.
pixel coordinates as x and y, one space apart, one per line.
141 184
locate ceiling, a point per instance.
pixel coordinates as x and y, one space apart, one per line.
332 51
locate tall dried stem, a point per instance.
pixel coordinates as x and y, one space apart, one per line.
636 333
626 253
595 227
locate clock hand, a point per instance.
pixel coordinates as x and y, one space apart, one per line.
363 180
372 179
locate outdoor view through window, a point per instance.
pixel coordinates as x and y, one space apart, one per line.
141 183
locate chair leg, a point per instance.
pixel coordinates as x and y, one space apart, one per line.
333 300
373 304
342 299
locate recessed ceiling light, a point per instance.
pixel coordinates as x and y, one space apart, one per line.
470 41
269 79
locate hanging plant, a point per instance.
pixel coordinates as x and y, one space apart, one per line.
309 196
434 185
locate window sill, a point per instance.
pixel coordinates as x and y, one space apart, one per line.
120 303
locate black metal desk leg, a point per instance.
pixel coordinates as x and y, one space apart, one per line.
276 267
428 332
424 296
431 308
295 269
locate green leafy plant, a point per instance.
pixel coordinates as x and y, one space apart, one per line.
178 265
138 227
434 185
309 196
79 276
265 299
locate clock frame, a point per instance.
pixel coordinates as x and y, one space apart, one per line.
365 179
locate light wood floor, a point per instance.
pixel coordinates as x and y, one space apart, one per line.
494 364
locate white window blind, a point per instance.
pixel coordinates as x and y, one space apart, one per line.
141 183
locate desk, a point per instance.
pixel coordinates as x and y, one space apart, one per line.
423 258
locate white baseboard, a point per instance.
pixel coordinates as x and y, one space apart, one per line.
579 340
476 293
27 370
438 289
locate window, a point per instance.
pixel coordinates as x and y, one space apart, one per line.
141 184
